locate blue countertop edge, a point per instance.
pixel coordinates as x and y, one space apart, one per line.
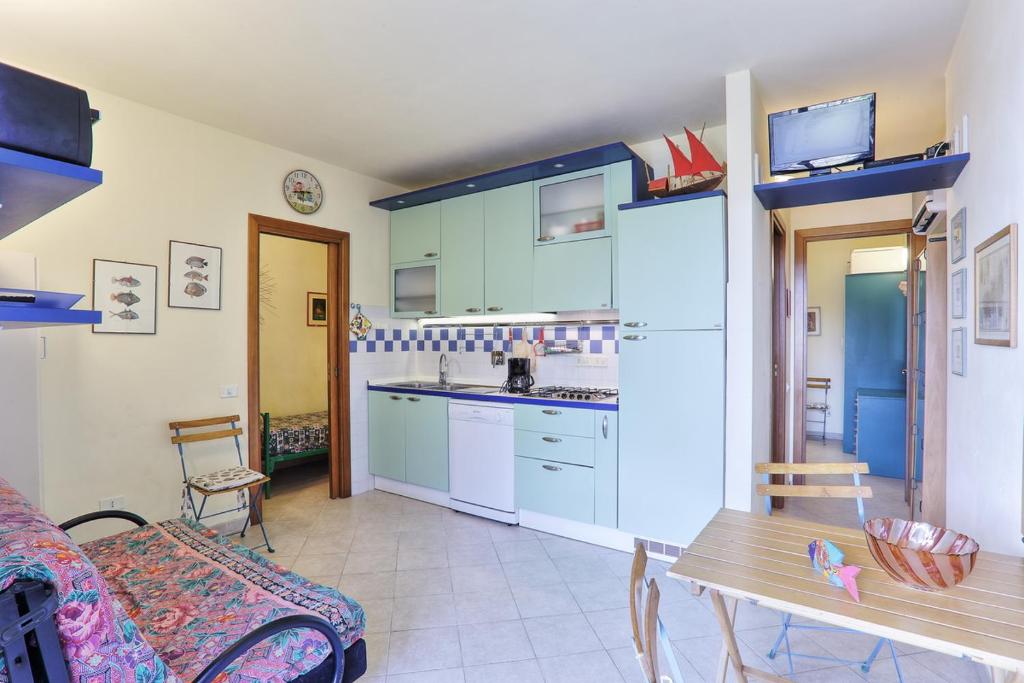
497 398
670 200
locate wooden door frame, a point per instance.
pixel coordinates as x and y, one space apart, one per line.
836 232
780 325
338 400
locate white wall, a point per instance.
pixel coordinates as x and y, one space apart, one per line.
827 266
106 399
986 407
748 312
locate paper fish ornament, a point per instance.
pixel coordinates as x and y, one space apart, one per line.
828 559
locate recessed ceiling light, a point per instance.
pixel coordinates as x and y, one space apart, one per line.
559 165
470 185
401 201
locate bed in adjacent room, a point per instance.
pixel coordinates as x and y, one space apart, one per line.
290 438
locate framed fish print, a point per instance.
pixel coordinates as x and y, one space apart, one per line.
958 305
995 289
958 347
316 309
958 235
125 293
193 276
814 321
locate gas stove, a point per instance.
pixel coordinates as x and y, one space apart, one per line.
573 393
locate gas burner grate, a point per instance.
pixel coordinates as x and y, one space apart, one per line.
574 393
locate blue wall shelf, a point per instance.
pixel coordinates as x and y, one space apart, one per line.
913 176
671 200
535 170
32 186
50 308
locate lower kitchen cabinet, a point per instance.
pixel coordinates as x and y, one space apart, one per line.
409 438
672 443
426 441
556 489
606 468
387 435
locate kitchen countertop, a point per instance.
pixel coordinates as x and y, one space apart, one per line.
490 394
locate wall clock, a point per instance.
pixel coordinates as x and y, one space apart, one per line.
303 191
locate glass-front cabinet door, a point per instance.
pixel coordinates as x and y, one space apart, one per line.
571 207
414 289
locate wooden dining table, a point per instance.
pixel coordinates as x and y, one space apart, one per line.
764 560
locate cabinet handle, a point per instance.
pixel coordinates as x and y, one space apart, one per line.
604 427
395 398
551 412
494 309
552 468
545 238
411 398
551 439
430 254
635 324
634 337
474 309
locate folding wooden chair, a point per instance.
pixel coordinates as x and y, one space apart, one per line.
768 489
228 480
648 631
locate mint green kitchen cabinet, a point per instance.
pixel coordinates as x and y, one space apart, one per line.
554 419
462 255
556 489
573 276
415 289
387 434
581 205
575 450
508 249
606 468
426 441
672 266
671 432
416 233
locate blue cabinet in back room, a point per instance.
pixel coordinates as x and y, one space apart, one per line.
876 341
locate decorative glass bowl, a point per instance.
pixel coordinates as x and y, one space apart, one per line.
920 555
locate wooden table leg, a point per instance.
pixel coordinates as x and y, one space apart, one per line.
723 658
731 651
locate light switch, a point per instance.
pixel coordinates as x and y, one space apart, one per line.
229 391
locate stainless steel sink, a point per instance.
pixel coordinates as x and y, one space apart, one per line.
472 388
415 385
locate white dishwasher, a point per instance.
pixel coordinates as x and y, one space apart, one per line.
481 459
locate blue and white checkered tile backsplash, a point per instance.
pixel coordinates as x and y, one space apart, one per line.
591 339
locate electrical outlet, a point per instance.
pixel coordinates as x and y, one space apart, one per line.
113 503
593 360
229 391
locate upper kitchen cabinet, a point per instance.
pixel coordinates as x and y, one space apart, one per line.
573 276
684 237
462 255
416 233
581 205
508 249
415 289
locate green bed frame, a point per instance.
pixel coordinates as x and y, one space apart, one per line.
270 462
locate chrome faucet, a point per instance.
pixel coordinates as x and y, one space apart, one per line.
442 370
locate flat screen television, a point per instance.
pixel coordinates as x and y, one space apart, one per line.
822 136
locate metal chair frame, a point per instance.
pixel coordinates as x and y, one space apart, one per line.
823 384
768 469
252 502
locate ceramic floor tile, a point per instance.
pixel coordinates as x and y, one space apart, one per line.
476 578
485 606
566 547
503 532
377 653
629 666
464 555
437 676
421 558
378 614
945 667
688 620
531 573
542 601
578 568
526 671
423 582
320 565
424 650
587 667
422 539
601 594
368 586
327 544
762 639
561 635
520 551
371 562
613 627
426 611
498 641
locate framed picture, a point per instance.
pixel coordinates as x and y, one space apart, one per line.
958 296
814 321
316 309
193 276
957 349
958 235
126 295
995 289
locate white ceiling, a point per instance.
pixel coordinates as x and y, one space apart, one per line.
420 91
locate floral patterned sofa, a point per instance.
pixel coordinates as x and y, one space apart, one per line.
165 602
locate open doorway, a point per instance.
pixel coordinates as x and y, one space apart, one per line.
854 358
297 360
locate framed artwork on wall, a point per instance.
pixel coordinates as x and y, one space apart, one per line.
126 294
958 235
316 309
193 276
958 295
995 289
957 349
814 321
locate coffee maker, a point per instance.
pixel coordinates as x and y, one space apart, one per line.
519 378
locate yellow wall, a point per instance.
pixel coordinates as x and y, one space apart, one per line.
293 355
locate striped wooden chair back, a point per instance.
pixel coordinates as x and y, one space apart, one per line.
819 383
648 630
804 490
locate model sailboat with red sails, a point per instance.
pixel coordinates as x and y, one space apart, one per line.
700 173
